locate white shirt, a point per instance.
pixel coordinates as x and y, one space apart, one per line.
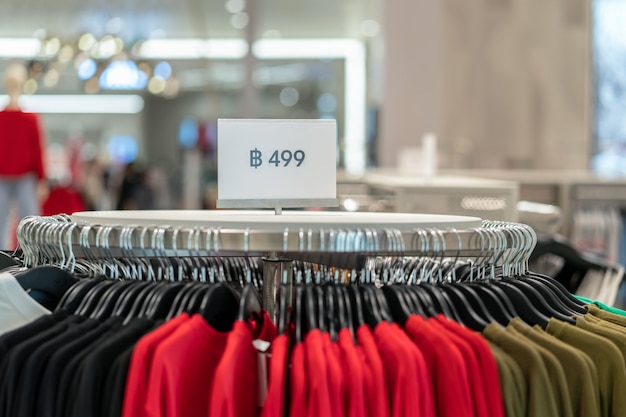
17 308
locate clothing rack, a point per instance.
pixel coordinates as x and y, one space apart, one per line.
342 240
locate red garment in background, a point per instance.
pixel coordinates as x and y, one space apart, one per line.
20 144
63 200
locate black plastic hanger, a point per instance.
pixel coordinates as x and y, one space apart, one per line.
125 302
135 305
484 301
331 312
92 297
318 305
199 291
400 310
468 316
558 289
385 310
109 299
436 300
496 300
71 300
283 310
549 295
526 310
159 307
413 300
371 309
537 300
300 329
177 302
250 306
191 297
346 304
358 318
159 288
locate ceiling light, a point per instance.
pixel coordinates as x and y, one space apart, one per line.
51 47
86 42
193 49
87 69
19 47
163 70
68 103
156 85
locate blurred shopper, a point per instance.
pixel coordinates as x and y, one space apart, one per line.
135 192
22 176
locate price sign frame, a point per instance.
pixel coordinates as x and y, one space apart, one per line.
277 163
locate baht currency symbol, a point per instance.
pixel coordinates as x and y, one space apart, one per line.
255 158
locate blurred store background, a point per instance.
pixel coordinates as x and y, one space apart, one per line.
519 100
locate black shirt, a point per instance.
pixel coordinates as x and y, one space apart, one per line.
31 375
89 381
113 397
15 336
51 391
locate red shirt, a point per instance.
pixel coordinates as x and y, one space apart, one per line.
20 141
274 405
354 397
376 393
478 394
336 382
237 368
139 369
399 365
183 369
317 381
448 371
268 329
299 382
426 395
491 377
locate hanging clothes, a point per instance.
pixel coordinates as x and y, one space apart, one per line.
17 308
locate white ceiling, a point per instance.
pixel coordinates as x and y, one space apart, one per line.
181 19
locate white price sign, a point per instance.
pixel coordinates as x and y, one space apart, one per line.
276 163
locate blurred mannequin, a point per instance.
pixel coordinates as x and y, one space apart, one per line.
22 176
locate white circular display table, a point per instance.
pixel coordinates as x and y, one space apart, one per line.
268 221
